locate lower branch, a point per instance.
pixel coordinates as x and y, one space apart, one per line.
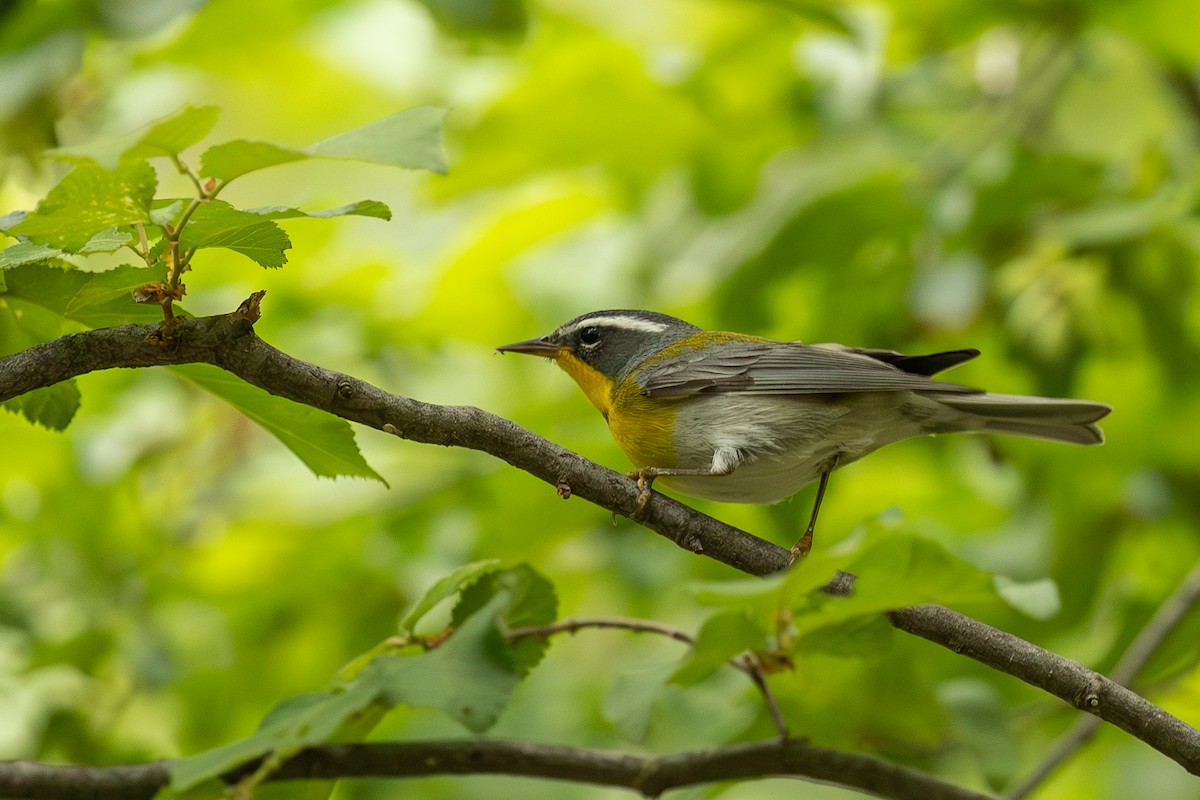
650 776
1066 679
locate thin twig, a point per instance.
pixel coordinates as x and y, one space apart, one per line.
574 624
1140 650
748 663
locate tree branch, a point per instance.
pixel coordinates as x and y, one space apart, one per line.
229 342
648 775
1144 645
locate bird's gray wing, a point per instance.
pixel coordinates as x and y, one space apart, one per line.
794 368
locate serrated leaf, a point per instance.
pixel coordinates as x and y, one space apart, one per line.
411 139
92 299
447 586
27 253
470 676
721 637
533 602
89 201
167 136
165 212
23 325
324 443
52 407
218 224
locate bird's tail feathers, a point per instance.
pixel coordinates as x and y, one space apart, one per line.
1060 420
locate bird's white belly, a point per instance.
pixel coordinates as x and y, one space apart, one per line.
779 443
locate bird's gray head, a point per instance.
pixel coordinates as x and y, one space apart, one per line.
611 342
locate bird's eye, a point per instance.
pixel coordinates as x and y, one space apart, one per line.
590 336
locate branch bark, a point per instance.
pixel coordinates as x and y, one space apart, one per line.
649 775
229 342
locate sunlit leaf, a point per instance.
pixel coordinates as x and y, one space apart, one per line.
27 253
230 160
218 224
89 201
410 139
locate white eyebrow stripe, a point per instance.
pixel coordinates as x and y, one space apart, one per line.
623 323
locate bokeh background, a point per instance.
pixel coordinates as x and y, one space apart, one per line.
1018 177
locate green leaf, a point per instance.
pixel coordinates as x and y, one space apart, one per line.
854 638
92 299
1038 599
27 253
411 139
107 241
51 407
89 201
324 443
218 224
533 602
230 160
23 325
722 636
470 676
168 136
447 586
175 133
629 704
40 303
894 569
360 208
292 726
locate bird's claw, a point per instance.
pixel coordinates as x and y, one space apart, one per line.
644 480
801 547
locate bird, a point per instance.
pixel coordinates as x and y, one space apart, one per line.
738 418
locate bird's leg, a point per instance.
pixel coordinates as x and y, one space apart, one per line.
645 475
804 543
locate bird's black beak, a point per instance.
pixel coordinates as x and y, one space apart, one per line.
545 347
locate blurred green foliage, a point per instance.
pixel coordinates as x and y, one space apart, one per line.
1016 177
